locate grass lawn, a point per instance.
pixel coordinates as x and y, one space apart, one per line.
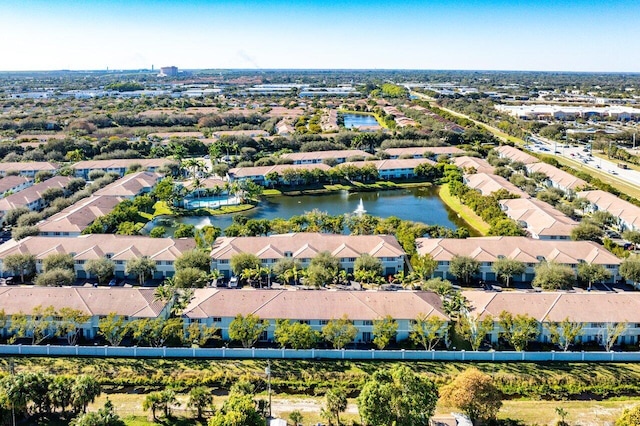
463 211
271 192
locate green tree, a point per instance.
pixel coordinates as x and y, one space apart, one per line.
384 331
102 268
474 394
397 397
464 268
423 267
40 324
428 331
199 334
553 276
506 268
630 269
84 391
200 399
58 261
339 332
238 410
241 261
194 259
71 320
184 231
113 328
247 330
322 269
592 273
611 332
55 278
59 392
587 231
518 330
564 333
12 216
335 403
296 417
630 417
152 402
368 263
158 232
295 334
140 267
190 278
105 416
23 264
473 329
21 232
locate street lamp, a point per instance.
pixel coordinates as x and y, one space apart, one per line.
267 371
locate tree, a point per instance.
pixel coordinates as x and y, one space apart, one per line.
41 324
55 278
296 417
199 334
397 397
587 231
153 402
553 276
564 333
384 331
58 261
591 272
12 216
105 416
23 264
140 267
322 269
21 232
238 410
241 261
194 259
518 330
464 268
423 266
190 278
29 219
60 392
506 268
339 332
247 330
335 403
295 334
102 268
200 398
84 391
51 193
428 331
71 320
473 329
474 394
630 269
630 417
368 263
563 414
611 333
158 232
184 231
113 328
632 236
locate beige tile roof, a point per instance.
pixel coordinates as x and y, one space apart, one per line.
28 166
78 216
489 183
85 246
240 172
478 164
309 305
130 185
540 217
7 183
556 306
514 154
559 177
93 301
33 193
322 155
302 244
407 163
626 211
521 248
421 150
121 163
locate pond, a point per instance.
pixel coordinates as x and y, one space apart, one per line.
359 120
416 204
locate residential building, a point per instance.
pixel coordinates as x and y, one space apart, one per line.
541 220
594 311
316 157
304 246
393 169
487 184
131 185
31 197
627 215
472 165
558 178
515 155
316 308
259 174
562 112
531 252
28 169
431 152
119 166
71 221
97 302
118 248
12 184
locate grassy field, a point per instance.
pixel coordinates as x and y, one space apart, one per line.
463 211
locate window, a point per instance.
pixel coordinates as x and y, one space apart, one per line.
367 322
119 262
288 254
305 322
323 322
217 319
169 262
223 261
263 336
366 336
109 255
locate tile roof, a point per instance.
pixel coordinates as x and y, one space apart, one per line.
130 185
7 183
240 172
122 163
421 150
489 183
540 218
514 154
321 155
626 211
78 216
478 164
405 163
557 176
33 193
28 166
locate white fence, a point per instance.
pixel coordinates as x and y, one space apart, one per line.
329 354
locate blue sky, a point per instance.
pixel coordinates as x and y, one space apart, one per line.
549 35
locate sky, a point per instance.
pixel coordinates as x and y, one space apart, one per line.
543 35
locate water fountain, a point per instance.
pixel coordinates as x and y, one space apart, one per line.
360 210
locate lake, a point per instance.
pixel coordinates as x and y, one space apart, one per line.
416 204
359 120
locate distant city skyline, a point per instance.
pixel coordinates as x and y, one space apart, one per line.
517 35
